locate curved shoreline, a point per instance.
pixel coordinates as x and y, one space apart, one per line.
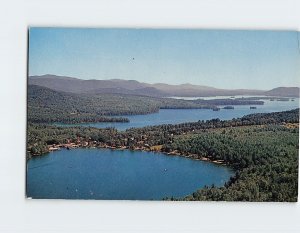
72 146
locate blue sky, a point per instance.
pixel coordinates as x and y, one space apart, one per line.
219 58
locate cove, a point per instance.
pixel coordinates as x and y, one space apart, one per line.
119 175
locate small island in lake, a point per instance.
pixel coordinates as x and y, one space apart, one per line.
228 107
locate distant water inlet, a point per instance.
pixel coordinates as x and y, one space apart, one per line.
176 116
119 175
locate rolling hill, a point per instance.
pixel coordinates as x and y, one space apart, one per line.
133 87
284 91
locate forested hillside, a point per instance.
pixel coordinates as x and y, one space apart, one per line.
266 159
47 106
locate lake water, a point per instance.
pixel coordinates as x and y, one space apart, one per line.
175 116
134 175
119 175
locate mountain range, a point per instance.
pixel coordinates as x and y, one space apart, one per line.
133 87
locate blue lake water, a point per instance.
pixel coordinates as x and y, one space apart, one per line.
119 175
134 175
175 116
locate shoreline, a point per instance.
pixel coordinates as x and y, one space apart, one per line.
72 146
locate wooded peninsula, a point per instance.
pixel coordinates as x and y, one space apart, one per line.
49 106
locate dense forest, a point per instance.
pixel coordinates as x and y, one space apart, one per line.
262 148
265 158
48 106
151 135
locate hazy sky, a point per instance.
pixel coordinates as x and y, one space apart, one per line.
219 58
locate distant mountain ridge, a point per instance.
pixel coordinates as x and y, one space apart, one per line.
133 87
284 91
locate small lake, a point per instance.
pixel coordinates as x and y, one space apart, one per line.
175 116
119 175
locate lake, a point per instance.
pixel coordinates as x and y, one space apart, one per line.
119 175
175 116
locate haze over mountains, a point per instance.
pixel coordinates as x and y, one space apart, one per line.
119 86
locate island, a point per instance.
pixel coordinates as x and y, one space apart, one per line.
228 107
